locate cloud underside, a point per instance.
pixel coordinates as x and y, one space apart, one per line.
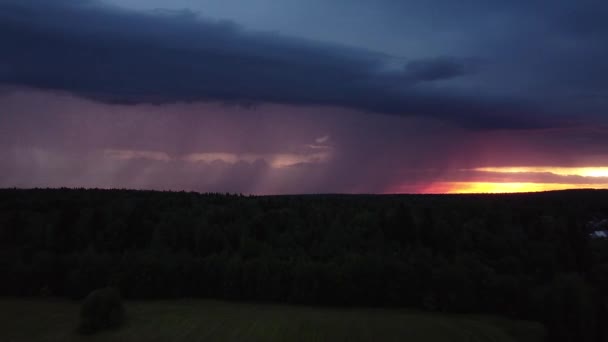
121 56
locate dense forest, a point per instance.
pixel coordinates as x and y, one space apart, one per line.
528 256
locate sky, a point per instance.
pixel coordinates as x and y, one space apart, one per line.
294 96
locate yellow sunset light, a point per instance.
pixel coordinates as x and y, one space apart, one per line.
496 188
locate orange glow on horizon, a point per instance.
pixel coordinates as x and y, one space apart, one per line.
513 179
499 188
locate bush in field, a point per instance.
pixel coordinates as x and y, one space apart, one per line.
101 309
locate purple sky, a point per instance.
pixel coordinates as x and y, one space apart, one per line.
272 97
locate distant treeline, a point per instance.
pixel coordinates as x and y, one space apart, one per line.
528 256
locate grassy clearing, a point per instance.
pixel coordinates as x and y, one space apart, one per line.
204 320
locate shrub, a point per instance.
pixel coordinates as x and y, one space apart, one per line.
101 309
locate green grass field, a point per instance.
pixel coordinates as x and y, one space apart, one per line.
203 320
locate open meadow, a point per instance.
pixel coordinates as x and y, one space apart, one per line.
203 320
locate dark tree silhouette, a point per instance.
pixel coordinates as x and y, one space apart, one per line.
515 255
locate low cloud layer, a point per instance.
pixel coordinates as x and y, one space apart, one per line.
270 149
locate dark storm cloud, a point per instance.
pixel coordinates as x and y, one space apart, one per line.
435 69
549 53
122 56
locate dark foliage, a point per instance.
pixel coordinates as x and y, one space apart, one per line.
515 255
101 309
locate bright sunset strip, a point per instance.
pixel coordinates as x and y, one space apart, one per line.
498 188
